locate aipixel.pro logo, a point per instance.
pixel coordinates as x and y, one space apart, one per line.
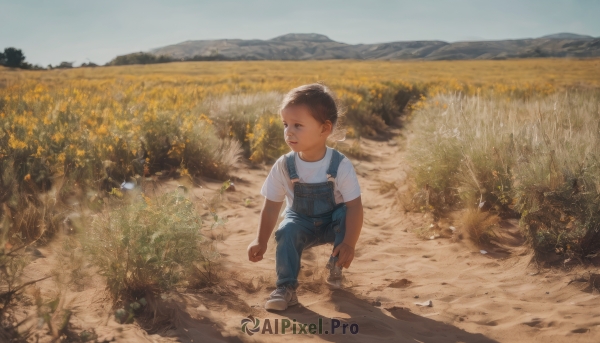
251 326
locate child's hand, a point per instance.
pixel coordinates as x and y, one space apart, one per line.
345 253
256 250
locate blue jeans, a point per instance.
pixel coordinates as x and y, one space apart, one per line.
298 232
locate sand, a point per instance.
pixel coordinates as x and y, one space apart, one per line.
495 297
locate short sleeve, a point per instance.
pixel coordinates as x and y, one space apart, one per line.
274 188
347 182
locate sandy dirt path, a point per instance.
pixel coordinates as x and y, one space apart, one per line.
475 297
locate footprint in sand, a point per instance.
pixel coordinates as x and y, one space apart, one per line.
490 323
534 323
403 283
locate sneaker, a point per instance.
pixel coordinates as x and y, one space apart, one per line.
335 274
281 298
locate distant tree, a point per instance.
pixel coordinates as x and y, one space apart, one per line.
2 58
139 58
64 65
90 64
147 58
14 58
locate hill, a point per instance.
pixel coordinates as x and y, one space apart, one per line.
312 46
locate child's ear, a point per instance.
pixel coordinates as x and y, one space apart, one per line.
327 127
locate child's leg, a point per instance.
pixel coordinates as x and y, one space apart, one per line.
338 227
294 234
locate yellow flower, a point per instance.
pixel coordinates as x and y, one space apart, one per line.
39 151
57 137
15 143
102 130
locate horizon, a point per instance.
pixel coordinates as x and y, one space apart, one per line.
66 30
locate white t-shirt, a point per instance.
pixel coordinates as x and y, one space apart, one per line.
278 185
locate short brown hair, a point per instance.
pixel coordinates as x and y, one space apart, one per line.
320 100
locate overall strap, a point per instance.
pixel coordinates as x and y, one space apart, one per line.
290 161
336 159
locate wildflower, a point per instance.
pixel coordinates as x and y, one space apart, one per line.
102 130
15 143
57 137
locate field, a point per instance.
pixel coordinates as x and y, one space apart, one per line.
128 196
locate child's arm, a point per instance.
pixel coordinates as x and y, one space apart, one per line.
268 219
354 221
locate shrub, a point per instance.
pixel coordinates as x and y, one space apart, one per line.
236 115
171 141
557 176
371 109
139 58
538 157
205 154
266 139
479 225
147 246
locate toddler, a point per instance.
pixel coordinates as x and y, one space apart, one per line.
323 203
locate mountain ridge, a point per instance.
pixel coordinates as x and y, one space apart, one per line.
314 46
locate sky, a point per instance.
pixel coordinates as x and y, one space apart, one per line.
49 32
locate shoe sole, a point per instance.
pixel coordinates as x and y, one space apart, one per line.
278 305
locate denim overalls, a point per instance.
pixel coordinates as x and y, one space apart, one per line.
312 220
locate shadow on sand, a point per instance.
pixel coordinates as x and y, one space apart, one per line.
376 326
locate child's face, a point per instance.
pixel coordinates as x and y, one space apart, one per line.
302 132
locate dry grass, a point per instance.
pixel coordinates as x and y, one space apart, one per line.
147 246
479 226
537 158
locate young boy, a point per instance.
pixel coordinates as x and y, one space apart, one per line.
321 190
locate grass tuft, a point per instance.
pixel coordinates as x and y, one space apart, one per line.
148 246
535 158
479 226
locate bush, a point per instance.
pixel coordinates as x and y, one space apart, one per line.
205 154
147 246
178 140
236 115
371 109
266 139
139 58
479 225
538 157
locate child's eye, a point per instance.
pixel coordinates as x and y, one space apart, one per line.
298 125
284 125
